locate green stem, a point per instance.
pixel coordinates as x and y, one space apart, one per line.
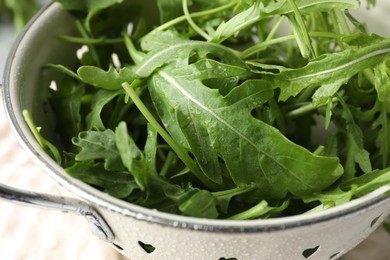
275 28
46 145
342 22
91 48
302 110
264 45
254 212
62 69
235 191
183 18
169 160
136 55
182 154
90 41
336 28
192 23
303 30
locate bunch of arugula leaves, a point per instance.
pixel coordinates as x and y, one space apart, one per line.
234 109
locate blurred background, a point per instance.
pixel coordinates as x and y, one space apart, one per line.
38 234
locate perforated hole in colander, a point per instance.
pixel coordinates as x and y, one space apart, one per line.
147 247
375 221
227 258
307 253
334 256
117 246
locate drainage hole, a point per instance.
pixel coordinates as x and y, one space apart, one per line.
147 247
118 246
310 251
334 256
228 258
374 221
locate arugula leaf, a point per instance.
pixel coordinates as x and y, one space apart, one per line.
117 184
185 49
99 145
132 157
211 125
382 86
382 83
100 99
355 146
332 198
368 182
329 71
259 210
201 204
110 79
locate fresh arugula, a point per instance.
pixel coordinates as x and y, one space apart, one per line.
220 111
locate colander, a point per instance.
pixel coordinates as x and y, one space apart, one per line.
141 233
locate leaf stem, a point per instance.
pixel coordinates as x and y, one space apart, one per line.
342 21
304 109
303 30
264 45
275 28
91 48
235 191
254 212
192 23
62 69
90 41
46 145
183 18
182 154
168 162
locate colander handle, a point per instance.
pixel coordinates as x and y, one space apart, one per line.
64 204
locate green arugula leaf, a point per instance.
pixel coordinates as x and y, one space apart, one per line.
202 204
383 138
382 82
332 198
131 156
260 210
355 144
110 80
180 52
329 71
117 184
99 101
368 182
211 125
95 145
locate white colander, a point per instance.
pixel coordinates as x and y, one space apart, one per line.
141 233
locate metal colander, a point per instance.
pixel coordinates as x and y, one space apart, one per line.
141 233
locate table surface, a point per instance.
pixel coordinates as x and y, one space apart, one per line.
39 234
